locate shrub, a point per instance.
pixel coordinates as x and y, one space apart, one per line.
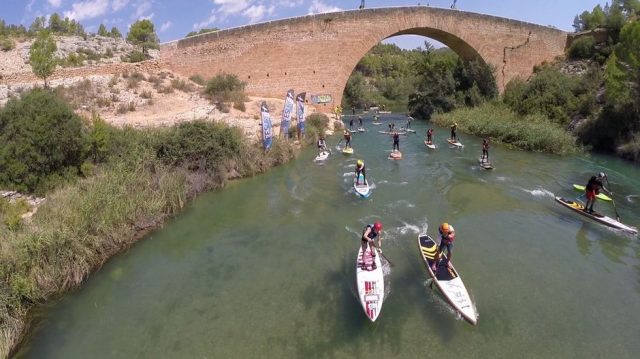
239 105
40 137
224 88
11 213
103 102
197 79
113 81
181 85
146 94
132 83
134 56
6 44
201 144
549 92
122 108
583 48
318 123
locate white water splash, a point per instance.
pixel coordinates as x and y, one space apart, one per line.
409 228
539 192
401 203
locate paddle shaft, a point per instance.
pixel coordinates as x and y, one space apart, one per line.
612 201
382 253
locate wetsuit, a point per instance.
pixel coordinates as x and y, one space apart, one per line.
347 138
322 145
409 122
369 239
396 141
351 124
592 189
454 128
360 121
446 241
360 170
429 134
485 150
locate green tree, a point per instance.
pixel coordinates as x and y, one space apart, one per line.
40 138
115 32
355 90
41 55
142 33
40 23
56 24
102 30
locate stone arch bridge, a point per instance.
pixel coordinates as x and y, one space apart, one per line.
317 53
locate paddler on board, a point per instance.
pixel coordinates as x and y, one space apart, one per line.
347 138
454 129
429 135
360 121
592 189
351 123
485 150
396 141
447 236
322 145
369 234
360 169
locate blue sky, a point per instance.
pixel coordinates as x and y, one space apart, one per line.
175 18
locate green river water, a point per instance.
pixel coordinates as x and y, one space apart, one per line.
266 267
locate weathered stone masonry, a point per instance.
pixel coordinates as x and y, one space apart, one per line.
317 53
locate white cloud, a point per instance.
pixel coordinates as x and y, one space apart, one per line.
119 4
141 8
287 3
87 9
207 23
318 7
54 3
164 27
30 5
256 13
230 7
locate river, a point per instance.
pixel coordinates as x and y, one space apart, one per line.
266 267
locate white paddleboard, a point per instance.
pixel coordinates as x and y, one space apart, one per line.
395 155
485 164
599 217
322 156
455 143
430 145
361 129
447 280
362 189
370 284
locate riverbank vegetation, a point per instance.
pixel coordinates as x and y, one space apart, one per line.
531 132
105 187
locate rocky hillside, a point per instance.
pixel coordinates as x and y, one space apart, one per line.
136 94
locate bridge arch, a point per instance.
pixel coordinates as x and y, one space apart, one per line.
317 53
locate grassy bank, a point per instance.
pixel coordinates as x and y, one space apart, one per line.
144 177
497 121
